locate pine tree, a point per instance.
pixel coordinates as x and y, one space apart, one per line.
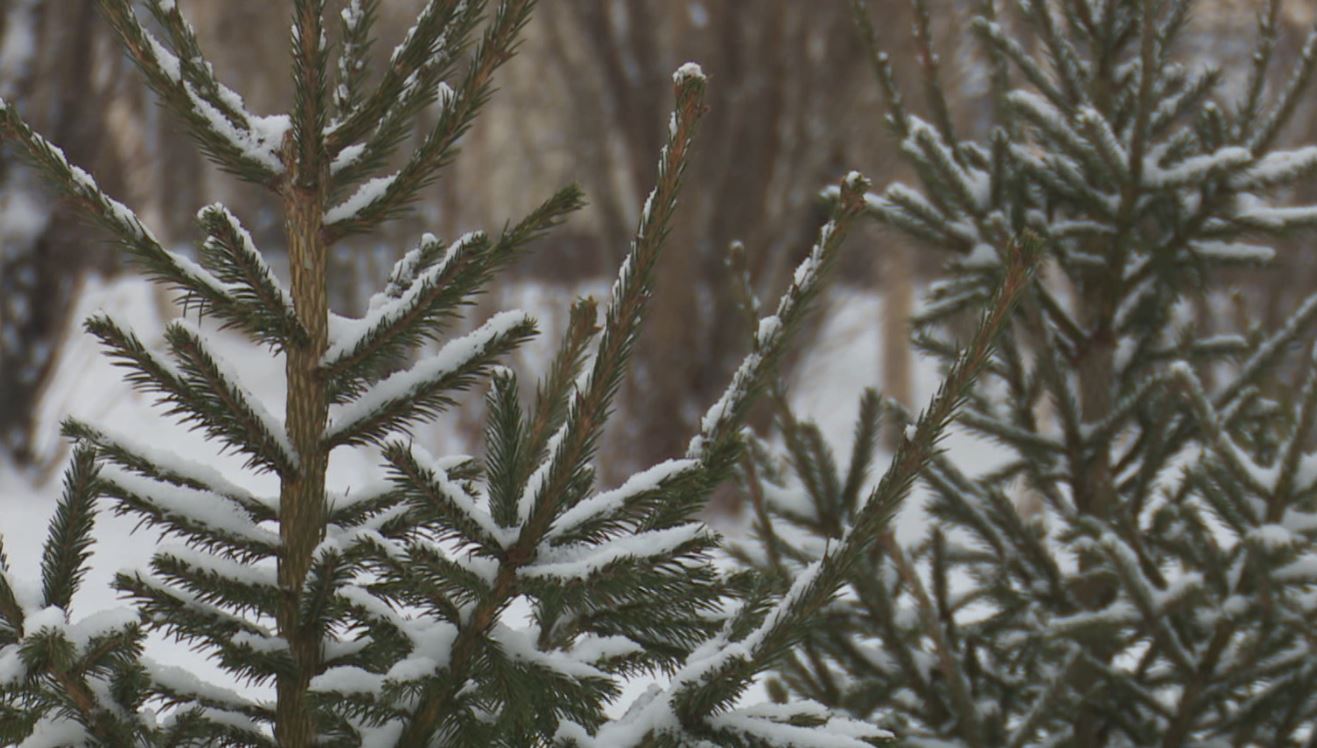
381 616
1139 571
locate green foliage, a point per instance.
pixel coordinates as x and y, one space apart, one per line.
391 614
1135 571
53 670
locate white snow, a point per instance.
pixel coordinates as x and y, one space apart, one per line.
49 617
687 72
1276 166
1273 536
12 669
464 502
606 502
1279 218
530 496
271 424
369 193
251 574
99 624
191 507
982 256
248 247
762 722
258 139
184 681
520 646
1195 169
594 649
580 561
347 157
1233 251
347 679
346 335
55 732
454 355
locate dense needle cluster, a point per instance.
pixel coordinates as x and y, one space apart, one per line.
454 601
1139 568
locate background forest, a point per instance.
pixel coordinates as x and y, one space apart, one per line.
795 106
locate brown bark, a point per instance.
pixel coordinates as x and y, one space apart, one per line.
302 496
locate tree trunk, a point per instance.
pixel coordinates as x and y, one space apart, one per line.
302 497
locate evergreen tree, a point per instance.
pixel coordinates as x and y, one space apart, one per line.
1140 570
380 616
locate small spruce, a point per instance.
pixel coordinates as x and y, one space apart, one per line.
1137 570
392 615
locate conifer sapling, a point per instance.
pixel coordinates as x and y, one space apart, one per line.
380 614
1137 569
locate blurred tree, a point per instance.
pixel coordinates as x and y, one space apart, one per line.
54 58
778 127
1135 568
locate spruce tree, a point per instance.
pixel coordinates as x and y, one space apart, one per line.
384 616
1139 570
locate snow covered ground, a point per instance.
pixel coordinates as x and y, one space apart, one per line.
86 385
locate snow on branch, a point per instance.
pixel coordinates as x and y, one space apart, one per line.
174 269
202 391
193 68
421 304
239 586
383 197
424 390
357 20
167 467
724 417
726 663
200 517
261 305
970 188
238 141
606 510
427 484
580 561
1197 169
215 395
428 38
248 649
426 290
176 685
1277 168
